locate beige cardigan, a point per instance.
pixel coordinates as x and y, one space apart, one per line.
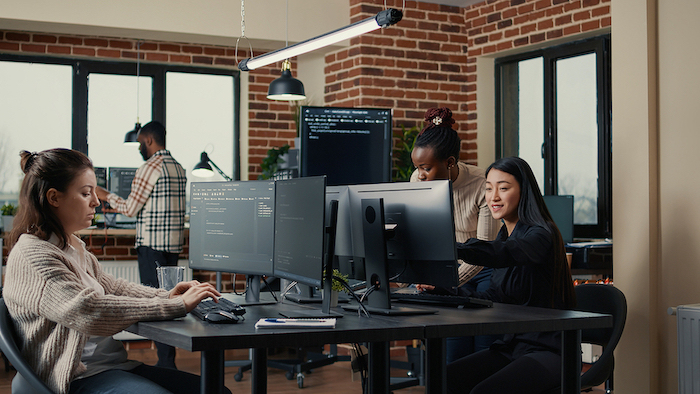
54 313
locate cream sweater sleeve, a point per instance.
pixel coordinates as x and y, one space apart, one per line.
60 296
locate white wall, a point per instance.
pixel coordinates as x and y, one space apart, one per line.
215 22
655 188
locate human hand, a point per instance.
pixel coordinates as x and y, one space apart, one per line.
425 287
193 293
102 193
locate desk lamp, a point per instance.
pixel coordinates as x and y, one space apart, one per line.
204 170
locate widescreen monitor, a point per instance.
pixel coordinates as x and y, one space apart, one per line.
232 229
347 145
418 243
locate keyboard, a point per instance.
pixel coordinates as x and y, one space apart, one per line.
225 311
411 295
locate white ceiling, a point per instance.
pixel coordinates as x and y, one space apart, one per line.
459 3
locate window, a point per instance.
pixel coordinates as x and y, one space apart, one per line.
90 105
35 114
554 110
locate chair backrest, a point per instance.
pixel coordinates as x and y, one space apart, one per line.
601 299
8 344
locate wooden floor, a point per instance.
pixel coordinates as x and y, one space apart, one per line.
331 379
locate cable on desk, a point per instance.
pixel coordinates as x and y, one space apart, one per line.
289 287
269 289
352 293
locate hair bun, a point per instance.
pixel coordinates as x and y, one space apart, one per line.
26 160
439 117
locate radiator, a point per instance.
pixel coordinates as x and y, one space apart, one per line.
129 269
688 318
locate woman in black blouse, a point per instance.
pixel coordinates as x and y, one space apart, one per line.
530 268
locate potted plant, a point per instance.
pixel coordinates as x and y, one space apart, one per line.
403 165
271 164
337 286
8 215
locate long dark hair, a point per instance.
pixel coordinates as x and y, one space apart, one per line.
49 169
439 135
532 211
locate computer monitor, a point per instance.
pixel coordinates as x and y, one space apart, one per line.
404 232
342 257
562 210
301 240
101 177
300 229
119 181
232 230
348 145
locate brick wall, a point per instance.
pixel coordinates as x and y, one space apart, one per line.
419 63
429 58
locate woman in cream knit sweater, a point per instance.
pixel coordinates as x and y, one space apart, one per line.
64 307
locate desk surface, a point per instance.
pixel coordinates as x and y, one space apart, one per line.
192 334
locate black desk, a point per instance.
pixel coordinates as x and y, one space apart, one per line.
193 335
211 340
505 319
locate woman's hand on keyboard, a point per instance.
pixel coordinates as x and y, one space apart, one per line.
193 292
427 288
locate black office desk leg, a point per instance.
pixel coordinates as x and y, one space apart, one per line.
436 371
571 362
259 371
379 367
212 371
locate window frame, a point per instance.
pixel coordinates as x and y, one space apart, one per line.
550 55
82 68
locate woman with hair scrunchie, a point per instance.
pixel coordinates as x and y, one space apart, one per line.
436 156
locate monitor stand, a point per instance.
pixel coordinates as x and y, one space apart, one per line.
374 236
252 293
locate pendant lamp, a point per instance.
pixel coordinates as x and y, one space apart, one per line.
286 87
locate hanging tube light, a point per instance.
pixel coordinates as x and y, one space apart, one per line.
384 18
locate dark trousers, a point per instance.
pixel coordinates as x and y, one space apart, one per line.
490 371
458 347
147 258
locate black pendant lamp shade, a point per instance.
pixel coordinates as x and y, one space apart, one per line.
286 87
130 136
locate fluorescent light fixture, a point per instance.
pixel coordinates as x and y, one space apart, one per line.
383 19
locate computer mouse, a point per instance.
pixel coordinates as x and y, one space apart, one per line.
221 317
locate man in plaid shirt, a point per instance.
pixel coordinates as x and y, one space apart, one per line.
157 199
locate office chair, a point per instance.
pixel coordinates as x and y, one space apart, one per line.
28 381
601 299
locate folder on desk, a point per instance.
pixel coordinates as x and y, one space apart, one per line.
295 323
